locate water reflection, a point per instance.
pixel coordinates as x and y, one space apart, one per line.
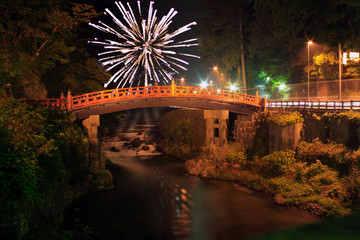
181 203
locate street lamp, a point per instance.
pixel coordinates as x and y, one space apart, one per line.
182 80
215 68
308 71
204 84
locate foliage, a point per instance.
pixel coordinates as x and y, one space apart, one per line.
277 163
220 37
325 65
183 133
275 35
40 151
352 186
36 37
236 154
331 154
285 119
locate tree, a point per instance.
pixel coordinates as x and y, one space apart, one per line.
222 37
35 37
287 25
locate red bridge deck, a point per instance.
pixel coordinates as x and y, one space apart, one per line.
153 96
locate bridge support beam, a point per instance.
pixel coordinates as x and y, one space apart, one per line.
216 127
91 124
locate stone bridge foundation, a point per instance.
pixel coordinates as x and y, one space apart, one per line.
91 124
216 127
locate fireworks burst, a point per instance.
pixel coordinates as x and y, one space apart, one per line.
142 48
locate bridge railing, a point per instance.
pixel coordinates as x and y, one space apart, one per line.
46 102
134 93
318 105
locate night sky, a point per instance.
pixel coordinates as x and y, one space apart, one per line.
188 11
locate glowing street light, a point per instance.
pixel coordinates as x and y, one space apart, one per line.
282 86
204 84
181 80
308 70
233 87
214 68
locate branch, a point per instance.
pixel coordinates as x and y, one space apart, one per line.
17 38
55 30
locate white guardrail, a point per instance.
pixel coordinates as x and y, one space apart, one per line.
324 105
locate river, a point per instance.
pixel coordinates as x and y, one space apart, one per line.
154 198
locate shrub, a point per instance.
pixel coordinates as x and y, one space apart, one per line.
236 154
39 153
331 154
286 119
316 174
352 186
277 163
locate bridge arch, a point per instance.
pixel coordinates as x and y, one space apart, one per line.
102 102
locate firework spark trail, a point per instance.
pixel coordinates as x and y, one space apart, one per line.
142 46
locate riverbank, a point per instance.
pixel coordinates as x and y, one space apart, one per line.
310 186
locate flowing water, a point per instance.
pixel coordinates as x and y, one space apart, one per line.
154 198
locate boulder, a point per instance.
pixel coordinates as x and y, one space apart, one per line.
135 143
146 148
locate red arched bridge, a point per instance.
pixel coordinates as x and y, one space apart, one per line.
102 102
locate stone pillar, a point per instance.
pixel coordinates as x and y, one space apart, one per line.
216 127
91 124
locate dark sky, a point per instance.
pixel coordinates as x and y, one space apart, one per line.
188 11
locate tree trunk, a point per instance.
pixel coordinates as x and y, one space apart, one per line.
242 54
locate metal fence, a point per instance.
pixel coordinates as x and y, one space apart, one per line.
320 90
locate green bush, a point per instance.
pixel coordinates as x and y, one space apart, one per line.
38 150
277 163
236 154
352 186
316 174
331 154
286 119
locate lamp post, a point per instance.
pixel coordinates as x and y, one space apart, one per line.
215 68
340 71
182 80
308 71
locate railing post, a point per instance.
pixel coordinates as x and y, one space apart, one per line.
61 100
69 101
172 87
263 103
257 99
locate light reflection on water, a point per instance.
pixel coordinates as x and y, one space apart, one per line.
153 198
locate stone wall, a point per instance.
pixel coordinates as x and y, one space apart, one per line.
282 138
244 130
342 128
251 131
